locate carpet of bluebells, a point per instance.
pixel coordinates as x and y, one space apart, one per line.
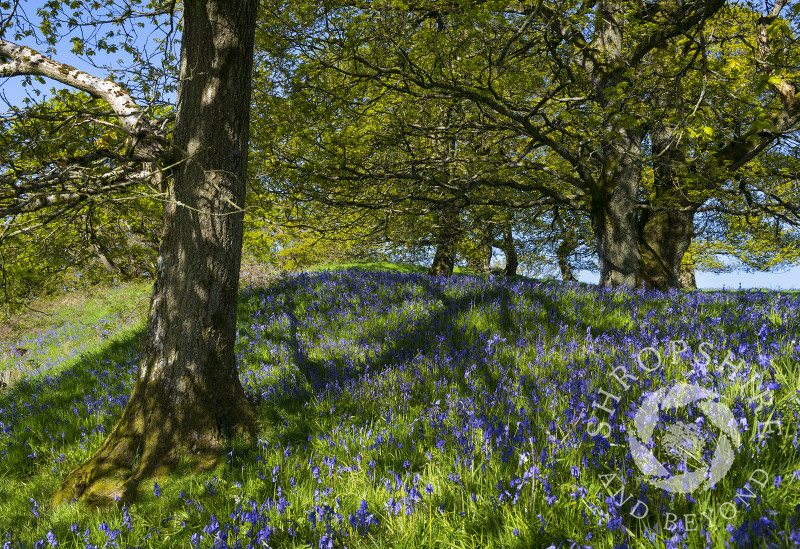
407 411
69 340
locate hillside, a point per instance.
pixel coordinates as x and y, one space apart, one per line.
407 411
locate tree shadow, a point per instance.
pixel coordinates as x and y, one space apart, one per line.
42 403
80 389
414 339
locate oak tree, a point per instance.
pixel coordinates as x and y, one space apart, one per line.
187 398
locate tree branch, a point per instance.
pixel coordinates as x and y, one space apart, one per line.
23 61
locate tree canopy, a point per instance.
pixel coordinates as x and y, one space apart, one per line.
643 119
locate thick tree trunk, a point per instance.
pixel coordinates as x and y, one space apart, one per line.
443 261
188 398
614 195
666 235
667 230
614 218
510 251
482 262
448 232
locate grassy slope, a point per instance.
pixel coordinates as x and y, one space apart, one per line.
385 266
455 410
50 331
80 307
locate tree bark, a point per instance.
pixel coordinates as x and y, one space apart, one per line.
686 280
613 196
613 210
187 399
448 232
482 263
109 265
486 256
665 238
443 261
563 252
510 251
666 231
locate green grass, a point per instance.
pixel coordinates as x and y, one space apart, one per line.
369 265
81 308
50 331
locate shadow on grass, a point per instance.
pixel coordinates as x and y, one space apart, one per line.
57 411
42 409
410 340
48 398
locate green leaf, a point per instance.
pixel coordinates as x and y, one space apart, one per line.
775 80
77 45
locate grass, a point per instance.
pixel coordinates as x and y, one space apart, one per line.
51 330
406 411
81 307
382 266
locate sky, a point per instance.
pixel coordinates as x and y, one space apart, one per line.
783 280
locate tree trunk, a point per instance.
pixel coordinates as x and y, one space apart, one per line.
448 232
187 398
486 256
666 235
686 278
614 218
667 230
563 252
443 261
482 263
613 196
510 251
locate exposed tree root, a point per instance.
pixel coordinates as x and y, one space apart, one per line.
150 442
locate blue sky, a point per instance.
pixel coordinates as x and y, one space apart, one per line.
786 279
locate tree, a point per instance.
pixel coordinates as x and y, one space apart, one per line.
105 235
587 92
725 108
570 106
187 397
349 148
